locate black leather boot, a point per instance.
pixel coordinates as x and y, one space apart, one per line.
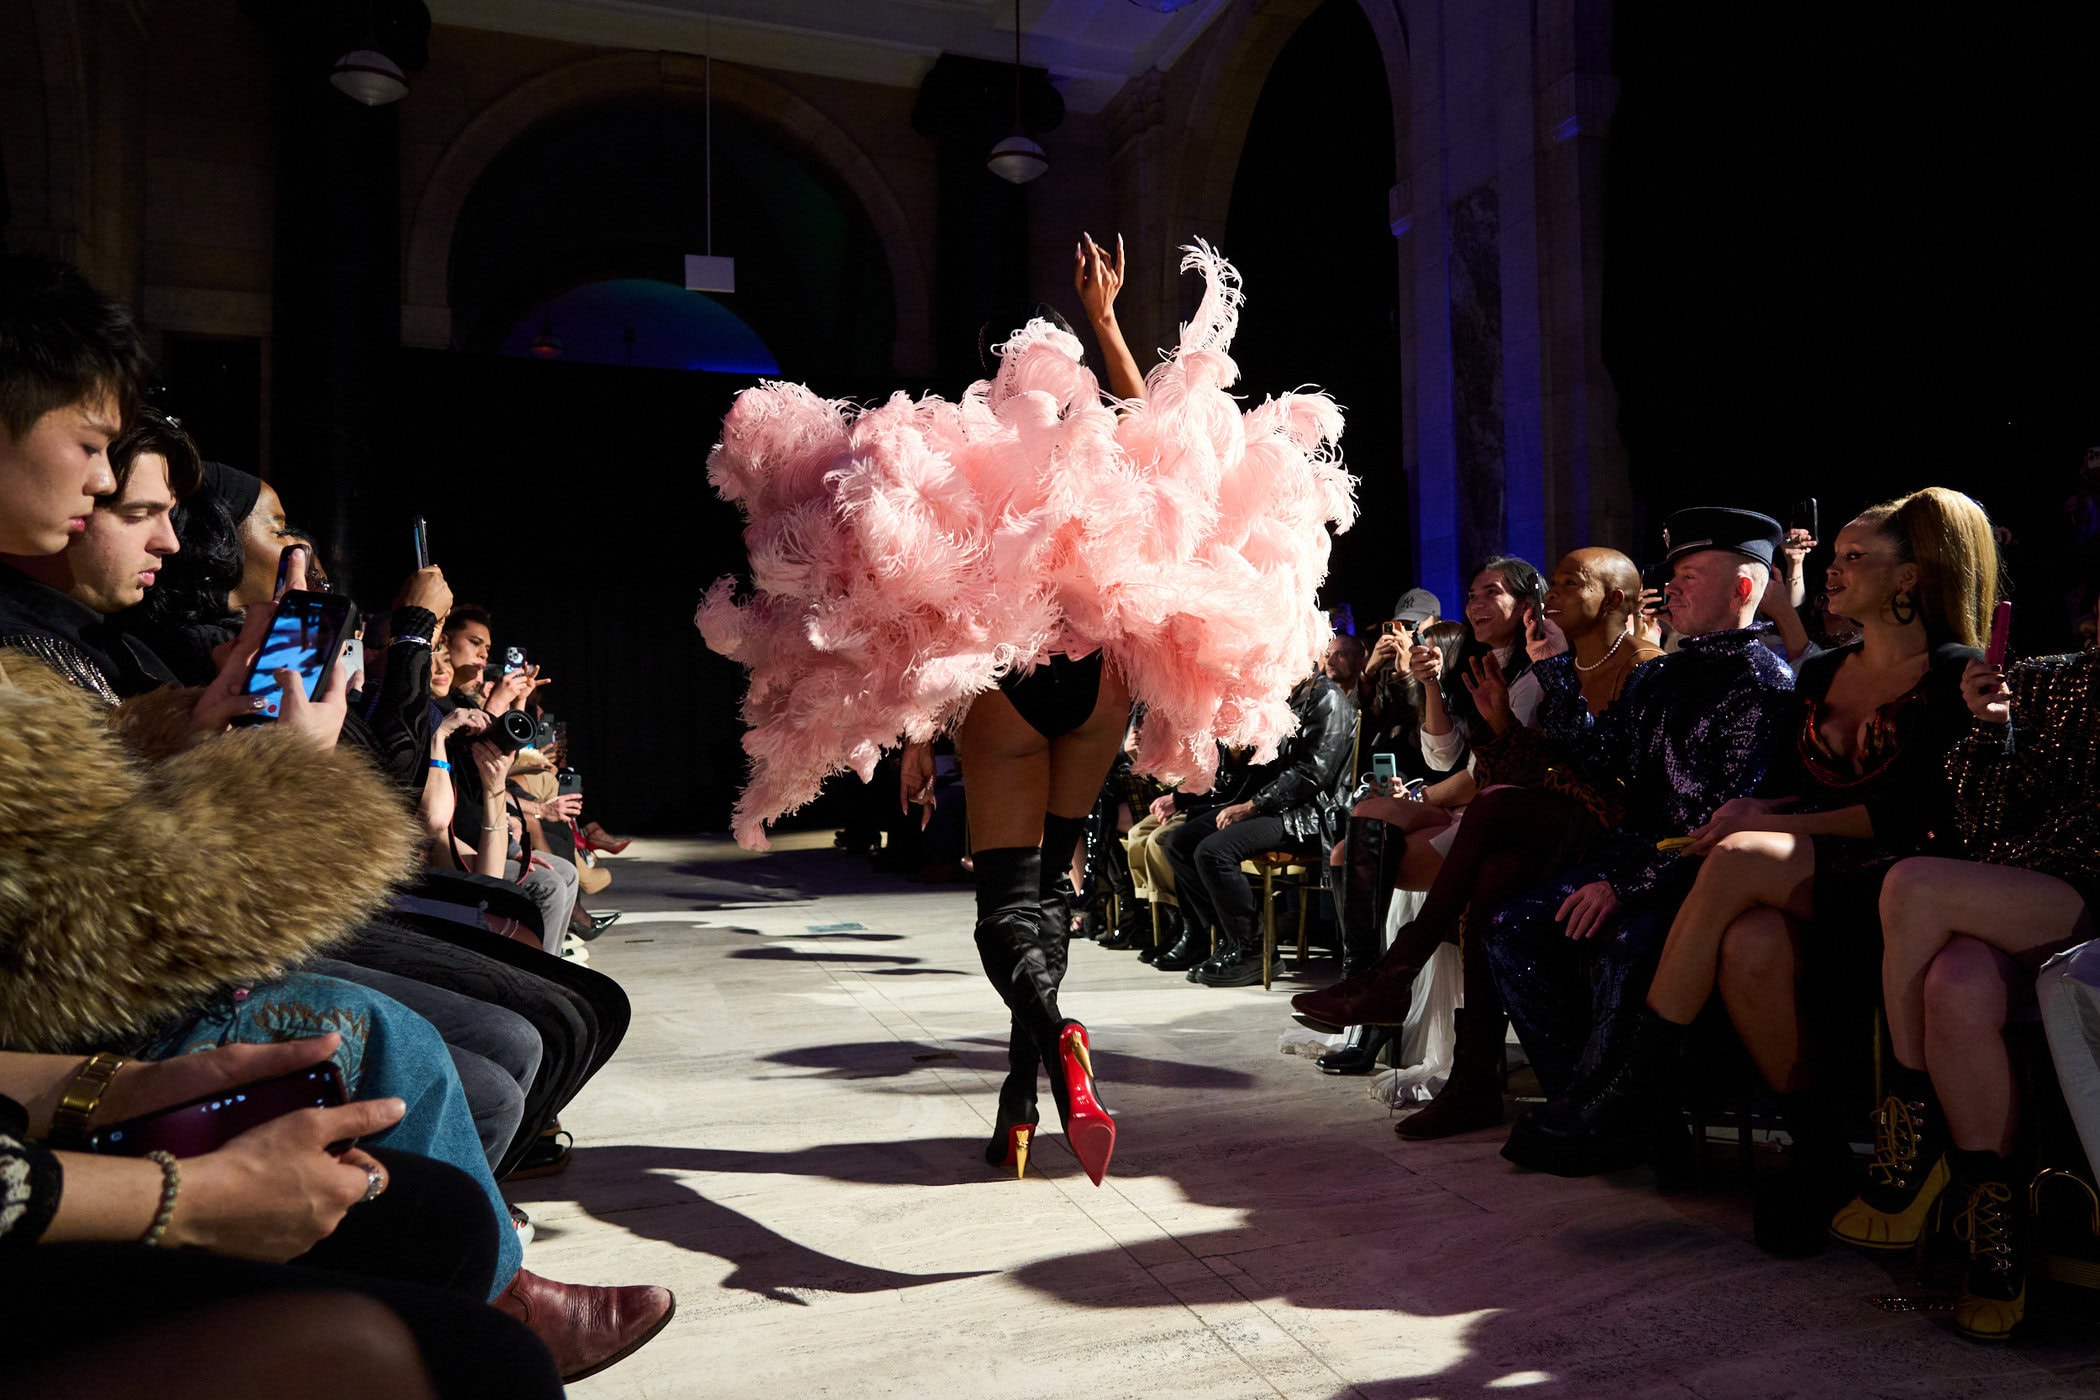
1471 1098
1169 933
1359 1053
1192 947
1013 942
1607 1121
1370 865
1791 1209
1237 963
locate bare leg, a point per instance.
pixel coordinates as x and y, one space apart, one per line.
1746 871
1006 766
1760 962
1402 814
1926 901
1967 994
1079 761
1418 867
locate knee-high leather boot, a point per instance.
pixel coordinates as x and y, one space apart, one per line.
1472 1097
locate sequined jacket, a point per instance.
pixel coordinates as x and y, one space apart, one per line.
1690 731
2027 793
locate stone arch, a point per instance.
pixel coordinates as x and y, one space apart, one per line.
426 317
1216 125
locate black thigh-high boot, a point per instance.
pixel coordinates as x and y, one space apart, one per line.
1053 901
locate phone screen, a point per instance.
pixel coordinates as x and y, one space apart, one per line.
304 636
202 1125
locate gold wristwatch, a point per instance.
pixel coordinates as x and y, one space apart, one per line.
69 1123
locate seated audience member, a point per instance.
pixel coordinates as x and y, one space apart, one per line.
1961 941
1392 705
390 1255
1698 727
232 531
1392 840
1781 911
1343 664
58 607
1495 604
163 871
1509 834
1294 804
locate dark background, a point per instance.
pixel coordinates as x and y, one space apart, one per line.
1847 255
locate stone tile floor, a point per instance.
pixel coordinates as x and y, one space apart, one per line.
790 1139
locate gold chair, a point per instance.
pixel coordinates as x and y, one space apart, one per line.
1300 872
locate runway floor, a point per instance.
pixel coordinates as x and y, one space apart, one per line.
790 1139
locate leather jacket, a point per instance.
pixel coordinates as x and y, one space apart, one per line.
1309 782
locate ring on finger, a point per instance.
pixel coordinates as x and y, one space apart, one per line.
375 1183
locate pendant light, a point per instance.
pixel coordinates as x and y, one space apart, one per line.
1017 159
704 272
367 75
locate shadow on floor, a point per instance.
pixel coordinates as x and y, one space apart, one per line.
886 1059
767 1263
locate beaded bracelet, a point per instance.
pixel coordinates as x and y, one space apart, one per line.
170 1187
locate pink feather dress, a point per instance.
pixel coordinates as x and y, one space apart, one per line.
905 556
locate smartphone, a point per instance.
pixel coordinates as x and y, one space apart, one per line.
1803 517
1537 602
2001 633
422 543
306 636
569 783
204 1125
1384 767
1657 578
543 735
514 659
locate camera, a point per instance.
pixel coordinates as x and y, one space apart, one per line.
510 731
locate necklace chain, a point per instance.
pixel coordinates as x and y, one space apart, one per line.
1607 656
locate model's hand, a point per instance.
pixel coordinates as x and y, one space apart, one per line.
915 782
1096 278
1589 909
1989 697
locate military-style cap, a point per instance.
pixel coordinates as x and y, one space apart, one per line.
1722 527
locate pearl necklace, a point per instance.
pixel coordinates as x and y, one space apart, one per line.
1607 656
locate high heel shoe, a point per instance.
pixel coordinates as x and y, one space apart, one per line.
1015 1128
1089 1129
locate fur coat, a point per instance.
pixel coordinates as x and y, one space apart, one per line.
145 869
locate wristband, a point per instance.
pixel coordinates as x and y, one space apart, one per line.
412 640
440 763
69 1122
170 1187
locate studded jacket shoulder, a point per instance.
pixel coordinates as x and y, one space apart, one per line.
2027 793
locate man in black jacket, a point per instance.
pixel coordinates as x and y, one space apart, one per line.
1290 804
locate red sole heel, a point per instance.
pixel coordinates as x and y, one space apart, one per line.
1088 1128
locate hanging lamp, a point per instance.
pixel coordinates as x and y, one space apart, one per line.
1017 159
366 75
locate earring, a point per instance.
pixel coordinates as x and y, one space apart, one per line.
1903 606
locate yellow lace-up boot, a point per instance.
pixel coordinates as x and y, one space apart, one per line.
1993 1296
1907 1174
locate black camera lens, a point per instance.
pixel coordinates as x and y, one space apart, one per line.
510 731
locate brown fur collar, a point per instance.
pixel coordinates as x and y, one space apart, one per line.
134 886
